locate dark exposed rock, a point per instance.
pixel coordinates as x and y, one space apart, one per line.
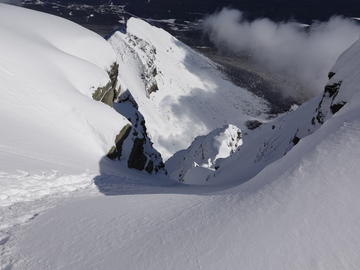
320 117
336 107
253 124
296 140
143 156
313 121
150 166
127 97
104 94
137 159
108 93
331 74
113 74
142 151
333 89
326 103
153 88
115 152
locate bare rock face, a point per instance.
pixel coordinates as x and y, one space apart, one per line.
147 56
328 102
116 151
133 145
109 93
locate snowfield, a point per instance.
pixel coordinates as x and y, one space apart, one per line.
282 196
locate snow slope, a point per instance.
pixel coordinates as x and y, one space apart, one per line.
273 140
300 212
176 87
53 133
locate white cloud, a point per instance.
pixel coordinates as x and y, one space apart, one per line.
288 49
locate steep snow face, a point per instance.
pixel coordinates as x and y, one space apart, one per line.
180 93
50 125
273 140
200 159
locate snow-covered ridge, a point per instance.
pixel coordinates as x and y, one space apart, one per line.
274 140
180 93
50 69
200 159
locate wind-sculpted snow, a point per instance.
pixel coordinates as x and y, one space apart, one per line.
176 87
49 68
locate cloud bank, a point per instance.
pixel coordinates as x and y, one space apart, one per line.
302 54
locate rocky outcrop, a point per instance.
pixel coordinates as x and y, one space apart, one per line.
327 103
147 55
116 151
110 92
133 145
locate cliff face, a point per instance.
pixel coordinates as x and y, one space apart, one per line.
142 155
138 148
110 92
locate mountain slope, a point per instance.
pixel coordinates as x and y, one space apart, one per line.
176 87
298 209
49 69
53 133
300 212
